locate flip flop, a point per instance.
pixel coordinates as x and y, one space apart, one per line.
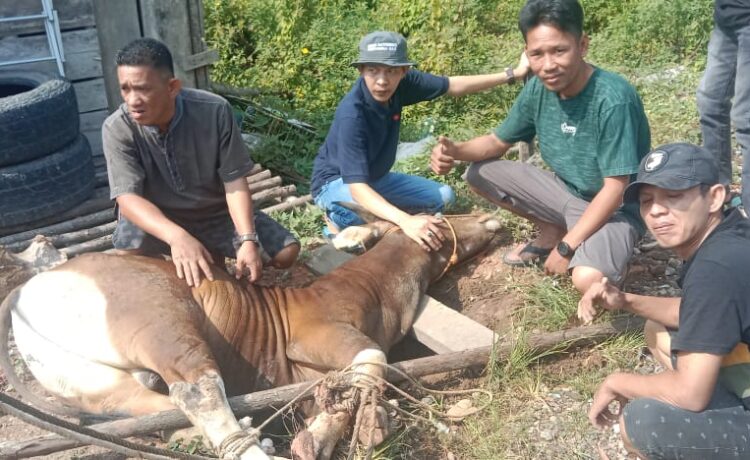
536 251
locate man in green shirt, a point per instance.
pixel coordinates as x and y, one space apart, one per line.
592 133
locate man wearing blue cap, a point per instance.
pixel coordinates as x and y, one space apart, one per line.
698 407
355 161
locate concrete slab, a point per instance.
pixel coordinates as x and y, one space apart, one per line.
438 327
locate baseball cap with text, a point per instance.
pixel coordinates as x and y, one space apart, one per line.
382 47
677 166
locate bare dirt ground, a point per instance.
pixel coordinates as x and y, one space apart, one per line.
480 290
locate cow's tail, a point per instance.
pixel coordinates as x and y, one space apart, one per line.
10 370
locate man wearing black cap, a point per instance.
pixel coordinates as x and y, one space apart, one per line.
354 162
697 407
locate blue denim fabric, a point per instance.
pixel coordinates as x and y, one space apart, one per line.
723 97
412 194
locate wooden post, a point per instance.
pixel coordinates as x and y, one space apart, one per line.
117 24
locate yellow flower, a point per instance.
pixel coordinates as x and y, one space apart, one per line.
305 51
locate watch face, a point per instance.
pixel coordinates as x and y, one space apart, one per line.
563 249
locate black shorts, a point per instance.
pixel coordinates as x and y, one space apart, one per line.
217 235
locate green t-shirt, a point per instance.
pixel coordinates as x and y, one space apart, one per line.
601 132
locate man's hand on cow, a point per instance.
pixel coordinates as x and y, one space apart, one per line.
248 261
600 294
425 230
556 264
442 158
191 258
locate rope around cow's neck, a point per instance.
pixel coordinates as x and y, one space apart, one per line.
453 260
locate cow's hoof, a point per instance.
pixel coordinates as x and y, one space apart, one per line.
375 430
303 446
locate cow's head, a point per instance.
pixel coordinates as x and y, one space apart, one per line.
472 235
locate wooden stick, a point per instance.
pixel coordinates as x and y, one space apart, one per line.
262 175
67 239
98 202
264 184
289 204
254 402
277 192
255 170
77 223
97 244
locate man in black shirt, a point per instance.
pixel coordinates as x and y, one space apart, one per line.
696 408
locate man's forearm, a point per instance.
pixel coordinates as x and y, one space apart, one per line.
371 200
663 310
148 217
468 84
240 205
598 212
480 148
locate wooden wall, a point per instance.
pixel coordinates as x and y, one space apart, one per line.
83 65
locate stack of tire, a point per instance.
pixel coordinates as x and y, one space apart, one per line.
45 162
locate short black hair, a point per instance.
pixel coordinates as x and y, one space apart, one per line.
146 52
566 15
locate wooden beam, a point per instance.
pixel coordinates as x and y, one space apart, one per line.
290 203
91 95
261 400
77 223
117 24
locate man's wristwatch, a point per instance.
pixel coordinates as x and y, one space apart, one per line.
565 250
511 76
252 236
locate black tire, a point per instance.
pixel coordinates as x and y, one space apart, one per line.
38 116
46 186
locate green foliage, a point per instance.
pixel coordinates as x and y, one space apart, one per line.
653 31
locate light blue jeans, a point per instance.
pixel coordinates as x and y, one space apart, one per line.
724 97
412 194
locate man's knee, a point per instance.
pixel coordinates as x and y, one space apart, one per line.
286 257
447 196
626 442
658 342
583 277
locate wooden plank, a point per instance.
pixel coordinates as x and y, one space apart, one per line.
72 14
91 127
91 95
99 201
197 42
437 326
117 25
168 21
81 49
202 59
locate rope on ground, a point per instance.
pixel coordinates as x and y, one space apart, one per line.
345 390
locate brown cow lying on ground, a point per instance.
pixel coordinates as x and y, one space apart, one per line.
95 330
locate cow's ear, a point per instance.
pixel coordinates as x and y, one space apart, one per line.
363 213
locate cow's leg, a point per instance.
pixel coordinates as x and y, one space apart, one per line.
205 404
187 367
349 346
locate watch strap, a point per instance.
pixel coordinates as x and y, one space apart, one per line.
251 236
511 76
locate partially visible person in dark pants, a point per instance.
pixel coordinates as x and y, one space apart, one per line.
724 91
